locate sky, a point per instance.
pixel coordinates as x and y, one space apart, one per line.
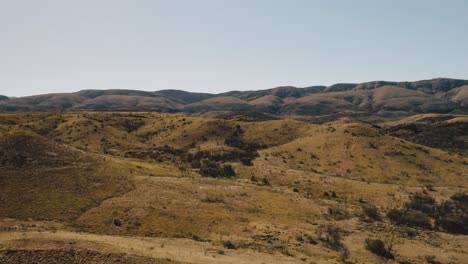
213 46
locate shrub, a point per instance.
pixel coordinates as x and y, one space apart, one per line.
229 245
310 239
452 215
299 238
195 164
332 238
454 223
410 217
213 199
117 222
248 150
337 213
371 212
247 161
423 203
213 169
431 259
228 171
379 248
461 201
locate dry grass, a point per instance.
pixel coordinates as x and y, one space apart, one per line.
133 194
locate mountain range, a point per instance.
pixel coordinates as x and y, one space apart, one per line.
441 95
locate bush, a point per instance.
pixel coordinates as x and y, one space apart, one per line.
228 171
423 203
337 214
213 169
213 199
247 161
454 223
452 215
332 238
195 164
248 151
371 212
310 239
379 248
229 245
431 259
266 182
117 222
410 218
461 202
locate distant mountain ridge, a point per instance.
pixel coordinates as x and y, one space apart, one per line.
441 95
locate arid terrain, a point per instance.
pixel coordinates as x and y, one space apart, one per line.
146 187
442 95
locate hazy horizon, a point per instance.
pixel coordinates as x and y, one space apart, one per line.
217 46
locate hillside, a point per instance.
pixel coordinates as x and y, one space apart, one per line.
380 97
147 187
448 132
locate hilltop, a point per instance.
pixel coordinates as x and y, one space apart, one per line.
383 98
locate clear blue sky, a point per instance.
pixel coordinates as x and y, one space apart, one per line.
215 45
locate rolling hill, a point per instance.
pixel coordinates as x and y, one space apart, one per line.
147 187
380 97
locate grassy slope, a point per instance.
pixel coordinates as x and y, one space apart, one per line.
302 161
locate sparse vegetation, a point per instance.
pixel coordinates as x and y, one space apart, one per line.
129 179
450 216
